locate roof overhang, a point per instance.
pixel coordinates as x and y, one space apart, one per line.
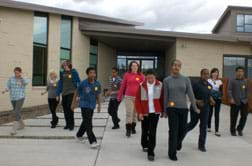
47 9
156 34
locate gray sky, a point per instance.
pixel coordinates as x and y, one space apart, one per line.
174 15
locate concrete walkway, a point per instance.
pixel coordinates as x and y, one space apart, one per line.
41 146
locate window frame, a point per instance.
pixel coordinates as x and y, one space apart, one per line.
46 15
71 38
244 23
246 58
95 43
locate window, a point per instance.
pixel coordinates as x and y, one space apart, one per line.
66 38
40 35
146 60
93 53
244 23
231 62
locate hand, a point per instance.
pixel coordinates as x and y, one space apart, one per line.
164 115
57 98
140 116
99 109
197 111
77 99
232 101
200 103
212 101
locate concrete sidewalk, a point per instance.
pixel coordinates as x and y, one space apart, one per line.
222 151
39 145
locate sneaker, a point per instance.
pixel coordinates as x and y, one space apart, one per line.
217 134
94 145
209 130
79 139
20 125
13 132
202 149
14 128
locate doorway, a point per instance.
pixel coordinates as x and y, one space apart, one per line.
150 60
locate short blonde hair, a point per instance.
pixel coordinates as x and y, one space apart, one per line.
52 72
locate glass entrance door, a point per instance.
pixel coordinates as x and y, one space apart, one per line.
144 64
147 64
146 61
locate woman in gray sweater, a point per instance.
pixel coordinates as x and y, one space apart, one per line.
176 89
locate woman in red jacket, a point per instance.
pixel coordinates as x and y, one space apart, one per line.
131 81
149 105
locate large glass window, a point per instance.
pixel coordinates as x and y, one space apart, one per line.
146 60
66 38
40 35
93 53
231 62
244 23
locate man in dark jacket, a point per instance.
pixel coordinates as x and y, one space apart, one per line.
202 91
238 92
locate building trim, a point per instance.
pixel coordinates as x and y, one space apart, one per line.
41 8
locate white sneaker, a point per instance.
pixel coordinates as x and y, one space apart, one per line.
94 145
20 125
79 139
14 128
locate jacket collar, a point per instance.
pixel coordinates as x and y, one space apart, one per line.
145 83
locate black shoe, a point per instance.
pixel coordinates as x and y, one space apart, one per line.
173 157
151 157
240 133
116 127
202 149
128 130
54 122
66 128
145 149
133 128
71 128
233 133
179 146
53 125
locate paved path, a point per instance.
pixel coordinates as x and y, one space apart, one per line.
38 145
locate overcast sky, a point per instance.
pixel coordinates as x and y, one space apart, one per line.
174 15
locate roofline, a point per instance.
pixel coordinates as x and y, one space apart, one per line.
165 34
225 14
54 10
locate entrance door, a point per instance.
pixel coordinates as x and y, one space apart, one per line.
145 64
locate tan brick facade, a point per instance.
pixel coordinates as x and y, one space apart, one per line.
198 54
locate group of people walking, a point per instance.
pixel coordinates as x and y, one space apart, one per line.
146 99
